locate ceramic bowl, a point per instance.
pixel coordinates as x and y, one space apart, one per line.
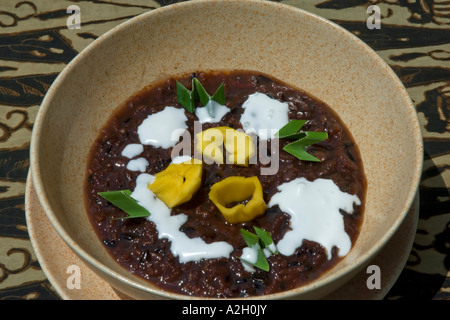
295 46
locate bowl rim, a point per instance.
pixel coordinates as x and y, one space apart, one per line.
308 287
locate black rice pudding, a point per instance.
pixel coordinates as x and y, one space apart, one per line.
225 184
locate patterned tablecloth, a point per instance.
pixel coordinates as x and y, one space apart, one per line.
36 44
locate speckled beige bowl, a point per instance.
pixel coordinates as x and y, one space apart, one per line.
300 48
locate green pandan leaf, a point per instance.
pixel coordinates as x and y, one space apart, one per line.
303 139
125 202
266 241
189 98
297 148
255 241
185 97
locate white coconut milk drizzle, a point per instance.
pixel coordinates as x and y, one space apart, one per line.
249 254
204 117
181 159
168 227
314 208
132 150
263 115
163 129
139 164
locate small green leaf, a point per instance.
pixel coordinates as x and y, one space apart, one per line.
304 139
261 261
254 241
297 148
291 130
185 97
266 241
125 202
250 238
219 96
202 95
205 98
188 99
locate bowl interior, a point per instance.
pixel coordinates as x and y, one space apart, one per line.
299 48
